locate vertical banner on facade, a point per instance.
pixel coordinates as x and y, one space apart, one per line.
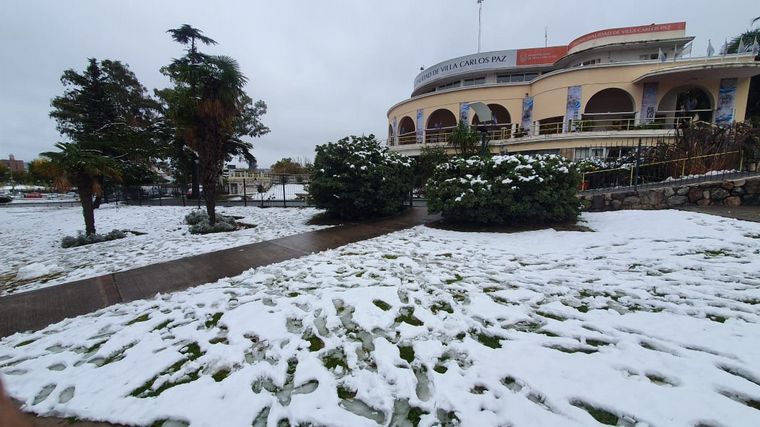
527 114
420 125
726 100
648 103
573 109
394 129
464 112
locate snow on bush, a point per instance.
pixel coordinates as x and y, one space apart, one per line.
357 178
86 239
506 189
199 223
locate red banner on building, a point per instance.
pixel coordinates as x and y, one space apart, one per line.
540 55
624 31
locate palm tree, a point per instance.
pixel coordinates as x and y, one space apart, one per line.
211 110
188 34
464 140
210 95
82 168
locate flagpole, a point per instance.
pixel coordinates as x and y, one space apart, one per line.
480 11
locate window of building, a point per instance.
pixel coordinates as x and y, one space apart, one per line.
516 78
591 62
448 85
474 82
648 56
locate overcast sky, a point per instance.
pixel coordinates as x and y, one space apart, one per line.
326 69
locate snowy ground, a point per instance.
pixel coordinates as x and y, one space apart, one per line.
652 319
32 256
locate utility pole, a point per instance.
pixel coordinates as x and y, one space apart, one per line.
546 36
480 12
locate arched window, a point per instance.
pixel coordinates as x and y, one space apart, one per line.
406 131
685 103
608 109
499 113
439 125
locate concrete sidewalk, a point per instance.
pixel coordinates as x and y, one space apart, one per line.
36 309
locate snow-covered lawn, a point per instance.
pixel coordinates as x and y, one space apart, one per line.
653 318
32 256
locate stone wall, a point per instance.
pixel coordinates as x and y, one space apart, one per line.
735 192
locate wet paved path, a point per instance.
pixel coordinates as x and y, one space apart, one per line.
36 309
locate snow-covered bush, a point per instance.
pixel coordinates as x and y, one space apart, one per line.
357 178
509 189
83 239
196 216
199 224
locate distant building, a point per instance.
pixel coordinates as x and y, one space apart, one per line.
599 89
13 164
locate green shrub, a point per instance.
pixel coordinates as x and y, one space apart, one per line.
511 189
199 224
82 239
357 178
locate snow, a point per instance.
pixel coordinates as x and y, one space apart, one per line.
652 317
275 192
33 258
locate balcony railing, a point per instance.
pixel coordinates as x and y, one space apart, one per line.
500 132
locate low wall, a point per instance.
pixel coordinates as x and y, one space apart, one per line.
734 192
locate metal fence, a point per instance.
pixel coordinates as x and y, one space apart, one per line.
651 162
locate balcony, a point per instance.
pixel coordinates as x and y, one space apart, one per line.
511 134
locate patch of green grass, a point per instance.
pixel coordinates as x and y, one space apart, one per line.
315 343
717 318
715 253
478 389
141 318
600 415
489 289
441 306
457 278
597 343
583 308
345 393
387 256
192 351
210 323
382 305
27 342
293 294
460 336
548 315
487 340
414 415
406 315
221 374
218 340
508 381
440 368
448 254
161 325
333 359
406 352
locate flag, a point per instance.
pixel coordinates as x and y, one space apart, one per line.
686 50
661 55
724 49
710 48
755 47
741 48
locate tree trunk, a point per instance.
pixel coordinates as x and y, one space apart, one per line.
99 196
85 198
195 181
209 193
